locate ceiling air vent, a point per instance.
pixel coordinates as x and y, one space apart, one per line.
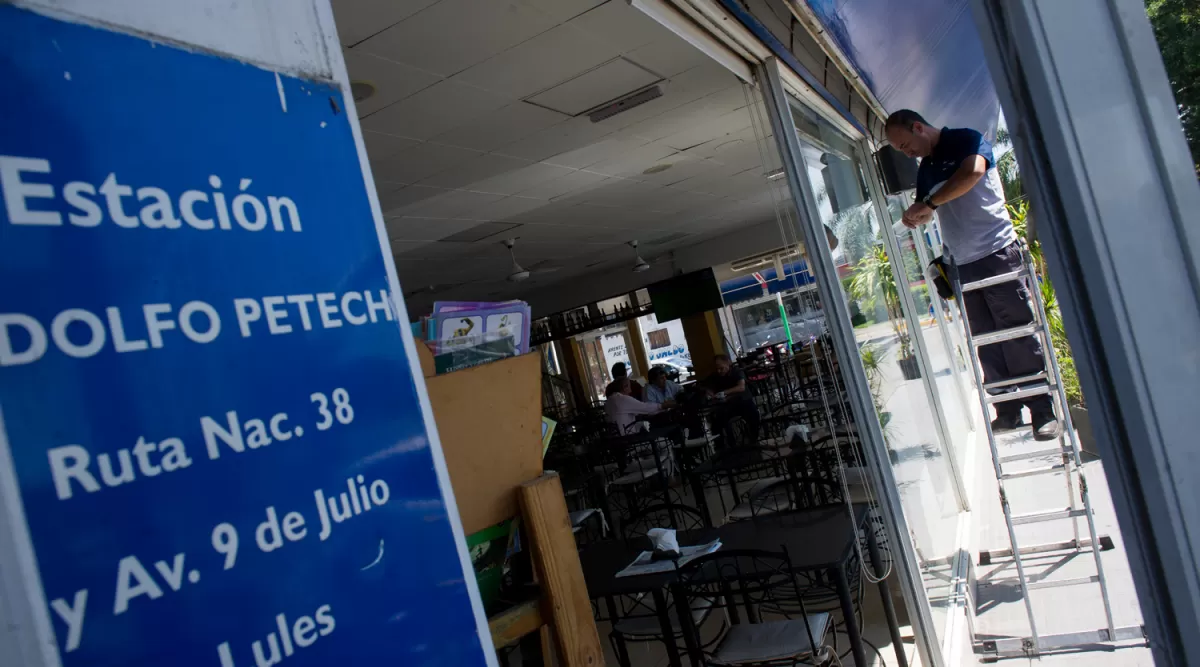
763 259
625 104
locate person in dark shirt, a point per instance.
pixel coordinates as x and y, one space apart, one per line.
728 384
958 178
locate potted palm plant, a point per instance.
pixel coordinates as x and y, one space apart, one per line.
873 280
1069 377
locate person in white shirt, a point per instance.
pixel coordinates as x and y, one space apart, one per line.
660 389
624 410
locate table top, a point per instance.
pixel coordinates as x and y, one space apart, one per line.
815 539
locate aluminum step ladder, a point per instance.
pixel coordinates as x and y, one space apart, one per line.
1069 464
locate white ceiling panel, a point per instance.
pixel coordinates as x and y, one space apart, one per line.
448 204
594 153
667 56
434 110
453 35
503 126
480 168
359 19
632 163
405 196
424 229
392 198
550 58
517 180
382 146
554 141
572 183
392 81
614 79
564 10
504 209
621 25
420 161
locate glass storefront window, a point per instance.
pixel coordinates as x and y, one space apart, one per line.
666 345
921 464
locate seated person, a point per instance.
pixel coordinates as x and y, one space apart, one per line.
623 410
728 384
620 370
660 388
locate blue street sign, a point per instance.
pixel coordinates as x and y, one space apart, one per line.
206 401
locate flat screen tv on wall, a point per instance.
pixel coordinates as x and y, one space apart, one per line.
684 295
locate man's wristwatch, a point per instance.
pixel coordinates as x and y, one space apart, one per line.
928 201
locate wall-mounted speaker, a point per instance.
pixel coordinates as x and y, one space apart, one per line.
899 171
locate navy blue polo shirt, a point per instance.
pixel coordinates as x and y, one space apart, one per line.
976 224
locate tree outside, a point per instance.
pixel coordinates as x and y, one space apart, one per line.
1177 28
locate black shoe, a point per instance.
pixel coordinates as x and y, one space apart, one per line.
1004 423
1046 427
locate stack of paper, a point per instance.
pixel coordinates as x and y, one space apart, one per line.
644 563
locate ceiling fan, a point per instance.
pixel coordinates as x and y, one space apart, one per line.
516 274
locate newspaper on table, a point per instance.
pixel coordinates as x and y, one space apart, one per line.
644 563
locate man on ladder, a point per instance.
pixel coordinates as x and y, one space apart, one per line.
958 179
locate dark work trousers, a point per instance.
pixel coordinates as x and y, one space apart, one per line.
1004 306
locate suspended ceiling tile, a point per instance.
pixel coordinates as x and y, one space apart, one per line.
622 26
569 184
480 168
455 34
546 145
359 19
392 81
594 153
667 57
563 10
481 231
632 163
503 126
551 57
514 181
392 199
419 162
504 209
448 204
434 110
424 229
382 146
600 85
404 247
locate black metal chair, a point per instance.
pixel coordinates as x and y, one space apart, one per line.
737 473
818 589
638 617
747 585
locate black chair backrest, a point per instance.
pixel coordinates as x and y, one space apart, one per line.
663 515
743 582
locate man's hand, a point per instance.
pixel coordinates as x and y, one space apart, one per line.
917 215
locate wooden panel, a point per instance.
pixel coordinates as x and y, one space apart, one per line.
564 592
489 419
509 626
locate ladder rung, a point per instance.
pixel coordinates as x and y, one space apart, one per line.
1040 377
1005 334
1034 585
1035 517
988 557
1018 394
1033 455
994 280
1033 472
1019 647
